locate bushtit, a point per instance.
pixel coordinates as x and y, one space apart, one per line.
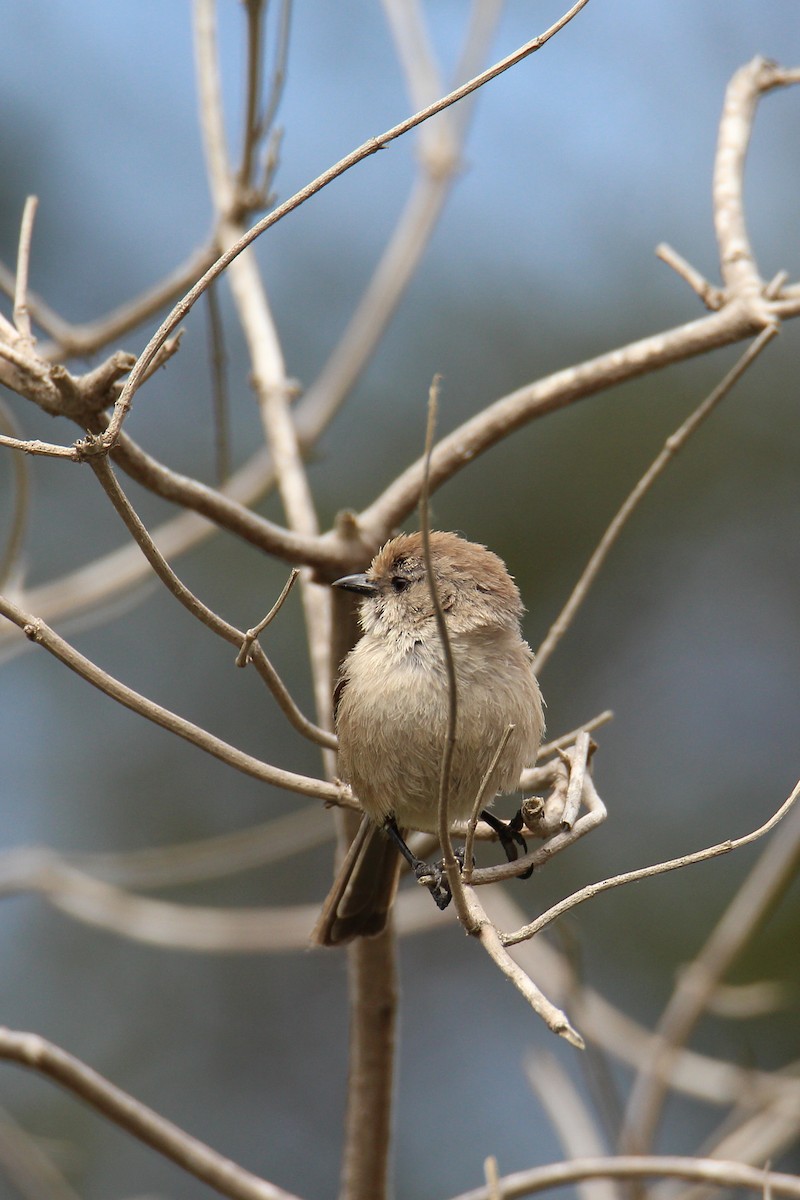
391 705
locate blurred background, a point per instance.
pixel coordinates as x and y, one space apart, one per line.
579 162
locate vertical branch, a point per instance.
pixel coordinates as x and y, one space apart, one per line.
372 974
219 390
273 389
372 988
255 10
443 817
16 525
22 317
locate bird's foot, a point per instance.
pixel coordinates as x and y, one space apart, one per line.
510 837
433 876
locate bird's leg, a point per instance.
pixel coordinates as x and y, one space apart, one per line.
430 875
509 836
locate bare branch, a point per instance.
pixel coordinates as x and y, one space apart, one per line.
451 729
439 158
575 1125
493 942
673 864
482 796
209 618
219 507
737 262
207 858
198 929
565 739
369 147
674 443
119 571
18 521
372 966
76 341
219 388
702 1170
712 297
536 400
772 873
39 632
245 654
22 318
30 1050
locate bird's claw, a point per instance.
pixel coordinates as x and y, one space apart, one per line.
432 877
510 838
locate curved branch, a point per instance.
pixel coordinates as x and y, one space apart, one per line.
30 1050
536 400
236 637
700 1170
371 146
41 633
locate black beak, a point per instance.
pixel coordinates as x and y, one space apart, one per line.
356 583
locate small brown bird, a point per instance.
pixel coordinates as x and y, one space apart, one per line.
391 705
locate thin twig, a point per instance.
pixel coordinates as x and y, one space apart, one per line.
771 874
120 571
267 121
80 340
674 443
202 612
219 388
700 1076
480 803
470 912
368 148
36 447
703 1170
30 1050
479 924
578 758
273 389
22 316
245 653
712 297
451 728
37 631
252 129
673 864
17 523
567 739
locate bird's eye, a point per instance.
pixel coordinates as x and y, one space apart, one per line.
399 583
